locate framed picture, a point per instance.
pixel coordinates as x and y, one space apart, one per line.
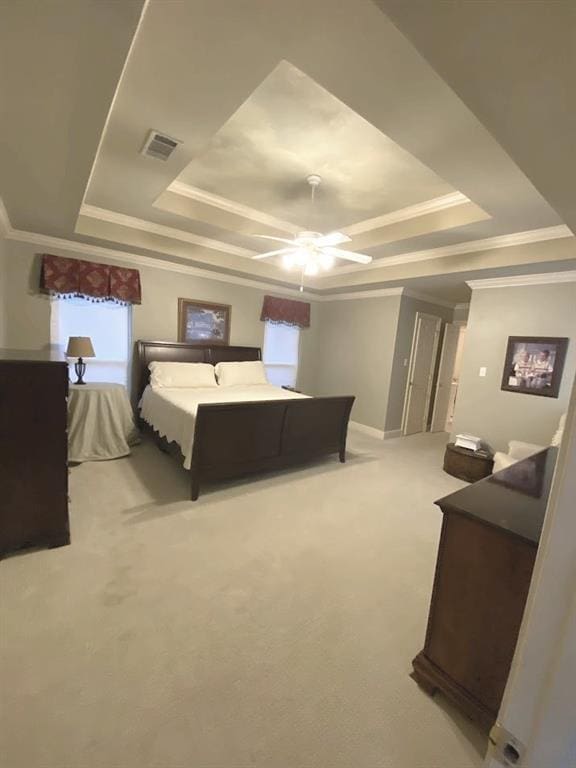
534 365
203 323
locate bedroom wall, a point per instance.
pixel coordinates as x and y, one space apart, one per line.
409 307
482 408
28 312
355 351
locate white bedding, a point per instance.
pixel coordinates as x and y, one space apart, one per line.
172 411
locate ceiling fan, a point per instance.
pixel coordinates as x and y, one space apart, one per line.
313 251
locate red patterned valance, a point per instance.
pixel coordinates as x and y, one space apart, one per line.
102 282
286 311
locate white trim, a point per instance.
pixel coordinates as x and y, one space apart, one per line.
471 246
5 225
230 206
390 434
124 257
517 281
366 430
113 217
428 299
377 293
410 212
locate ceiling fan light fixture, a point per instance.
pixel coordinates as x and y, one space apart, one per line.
301 256
311 268
327 260
312 251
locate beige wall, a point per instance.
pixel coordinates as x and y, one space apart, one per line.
355 351
482 408
28 311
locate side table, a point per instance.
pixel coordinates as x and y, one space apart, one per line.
467 464
100 422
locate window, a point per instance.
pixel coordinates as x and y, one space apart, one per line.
107 324
281 353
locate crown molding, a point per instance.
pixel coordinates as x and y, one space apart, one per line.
123 220
420 296
377 293
517 281
471 246
230 206
124 257
410 212
5 225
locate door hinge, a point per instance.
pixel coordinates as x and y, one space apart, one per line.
506 748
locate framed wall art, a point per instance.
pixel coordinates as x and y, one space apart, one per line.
200 322
534 364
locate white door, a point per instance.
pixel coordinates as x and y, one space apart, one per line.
421 373
445 377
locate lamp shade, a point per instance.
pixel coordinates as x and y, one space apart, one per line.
80 346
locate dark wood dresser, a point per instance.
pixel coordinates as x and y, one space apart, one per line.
33 453
488 544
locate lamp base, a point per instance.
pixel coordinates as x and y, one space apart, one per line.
80 368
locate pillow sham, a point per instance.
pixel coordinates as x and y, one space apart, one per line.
244 373
182 375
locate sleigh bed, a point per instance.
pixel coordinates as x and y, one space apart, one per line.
227 434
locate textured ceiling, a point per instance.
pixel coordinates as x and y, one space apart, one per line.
291 127
261 96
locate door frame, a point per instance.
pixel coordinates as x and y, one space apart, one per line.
441 360
415 337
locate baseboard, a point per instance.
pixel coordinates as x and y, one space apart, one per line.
391 433
365 429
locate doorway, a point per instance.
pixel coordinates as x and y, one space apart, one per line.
423 359
448 378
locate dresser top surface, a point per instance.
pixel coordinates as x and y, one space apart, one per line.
28 356
514 499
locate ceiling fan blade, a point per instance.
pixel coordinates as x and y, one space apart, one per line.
361 258
332 238
279 239
272 253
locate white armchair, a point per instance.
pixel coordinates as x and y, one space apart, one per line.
517 450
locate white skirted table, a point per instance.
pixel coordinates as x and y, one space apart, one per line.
100 422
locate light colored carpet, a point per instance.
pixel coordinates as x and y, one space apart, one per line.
272 623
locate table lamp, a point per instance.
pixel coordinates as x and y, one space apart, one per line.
80 347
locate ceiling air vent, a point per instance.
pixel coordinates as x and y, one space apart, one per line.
159 145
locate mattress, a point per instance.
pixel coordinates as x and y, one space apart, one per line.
172 411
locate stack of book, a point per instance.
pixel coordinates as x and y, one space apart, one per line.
471 442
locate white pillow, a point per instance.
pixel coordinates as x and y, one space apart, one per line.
182 375
246 373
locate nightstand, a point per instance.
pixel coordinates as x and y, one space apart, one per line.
466 464
100 422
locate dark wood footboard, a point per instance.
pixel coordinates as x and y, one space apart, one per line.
236 439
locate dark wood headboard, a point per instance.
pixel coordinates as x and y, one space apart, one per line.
176 352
